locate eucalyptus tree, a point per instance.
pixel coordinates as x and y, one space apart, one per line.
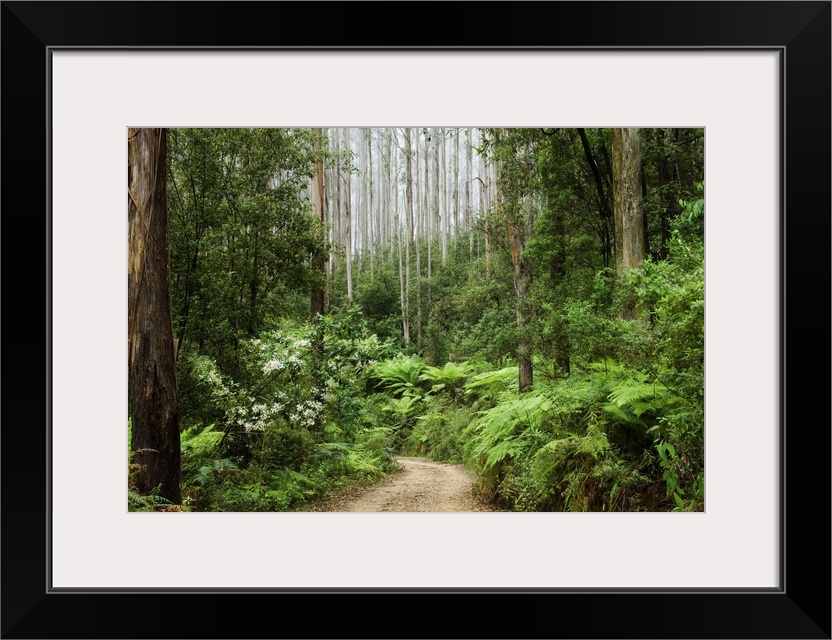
515 168
444 187
409 229
348 213
318 193
152 389
469 179
456 214
416 239
627 199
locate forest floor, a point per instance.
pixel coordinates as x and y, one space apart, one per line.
421 486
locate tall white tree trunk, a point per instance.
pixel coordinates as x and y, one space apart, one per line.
455 219
444 177
348 215
469 178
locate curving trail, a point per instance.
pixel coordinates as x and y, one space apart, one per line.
421 486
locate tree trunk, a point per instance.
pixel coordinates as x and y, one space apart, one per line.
153 400
409 223
370 212
444 177
348 216
469 178
416 233
318 213
629 224
456 217
521 290
336 233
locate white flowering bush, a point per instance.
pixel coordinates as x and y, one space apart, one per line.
292 417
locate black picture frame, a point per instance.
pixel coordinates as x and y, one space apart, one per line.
800 608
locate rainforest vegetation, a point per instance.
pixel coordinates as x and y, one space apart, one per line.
307 304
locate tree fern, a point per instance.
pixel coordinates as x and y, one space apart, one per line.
398 375
489 381
450 376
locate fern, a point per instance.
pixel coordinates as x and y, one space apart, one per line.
450 376
631 399
630 392
399 375
489 381
151 502
495 431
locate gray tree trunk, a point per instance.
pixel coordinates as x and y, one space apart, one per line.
627 205
348 216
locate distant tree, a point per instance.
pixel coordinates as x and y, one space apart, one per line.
348 215
319 214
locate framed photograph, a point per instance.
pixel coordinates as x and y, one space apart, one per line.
755 76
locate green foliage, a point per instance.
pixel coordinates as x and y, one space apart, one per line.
448 378
490 383
150 502
400 375
497 433
615 420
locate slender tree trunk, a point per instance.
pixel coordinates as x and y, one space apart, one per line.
435 234
394 191
498 201
456 216
557 273
629 225
402 290
319 214
416 234
153 396
336 233
409 226
469 179
370 216
348 214
444 219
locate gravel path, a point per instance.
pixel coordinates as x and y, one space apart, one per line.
422 485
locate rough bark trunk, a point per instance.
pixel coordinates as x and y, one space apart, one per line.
153 396
629 224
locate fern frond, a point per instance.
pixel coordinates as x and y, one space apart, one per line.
451 375
398 375
484 382
630 391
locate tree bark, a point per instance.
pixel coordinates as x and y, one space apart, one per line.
445 212
409 231
629 224
416 233
348 216
153 396
318 213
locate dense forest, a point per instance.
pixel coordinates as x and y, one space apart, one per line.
305 305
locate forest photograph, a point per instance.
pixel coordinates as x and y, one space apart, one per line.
420 319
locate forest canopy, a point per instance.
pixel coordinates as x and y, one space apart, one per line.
526 302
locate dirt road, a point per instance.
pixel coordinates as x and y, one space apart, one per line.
422 485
